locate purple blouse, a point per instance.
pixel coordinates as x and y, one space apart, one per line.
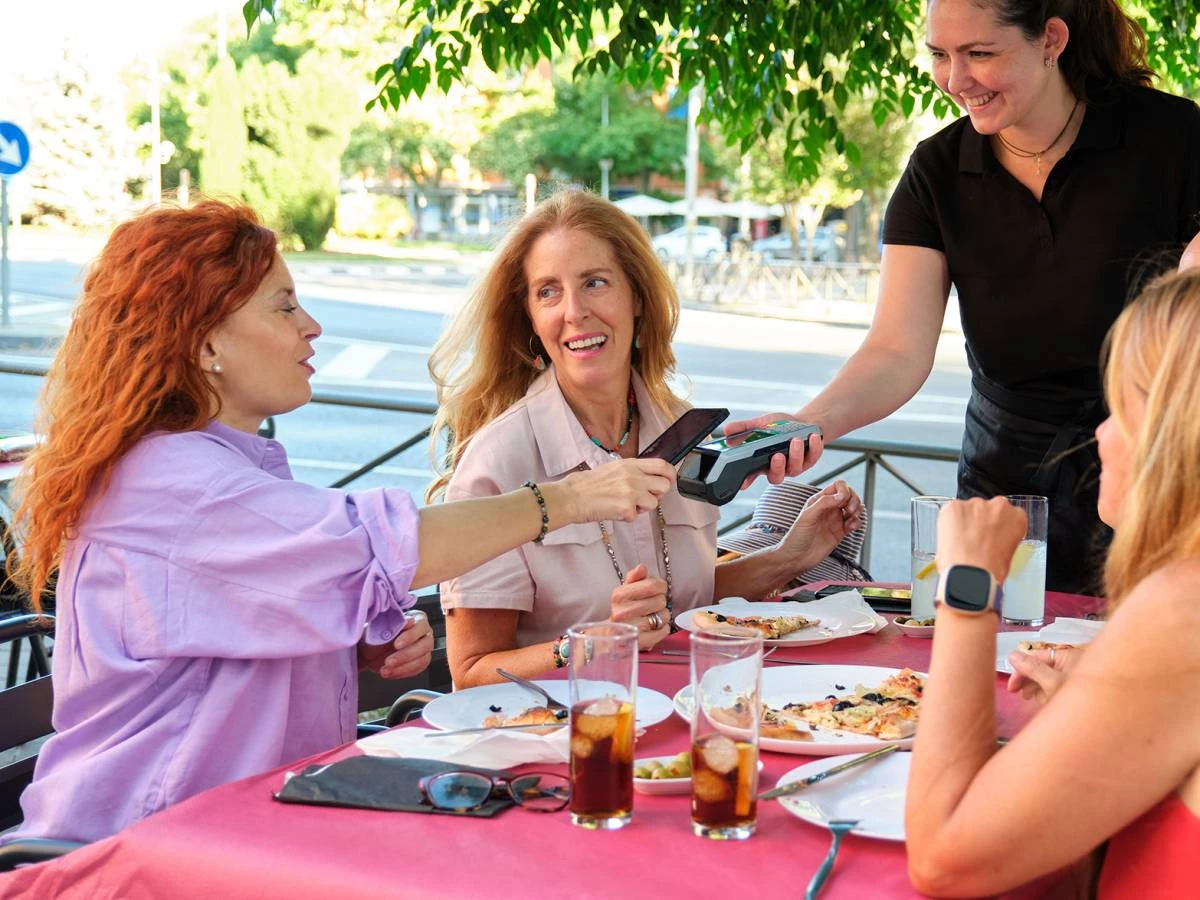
207 617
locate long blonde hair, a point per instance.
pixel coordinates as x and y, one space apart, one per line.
1153 349
483 363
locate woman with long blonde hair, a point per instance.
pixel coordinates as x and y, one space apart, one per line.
560 362
212 612
1115 754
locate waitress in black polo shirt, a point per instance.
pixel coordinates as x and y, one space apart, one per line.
1043 206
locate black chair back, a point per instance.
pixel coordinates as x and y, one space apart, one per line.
25 716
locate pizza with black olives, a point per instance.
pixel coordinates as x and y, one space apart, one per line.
888 712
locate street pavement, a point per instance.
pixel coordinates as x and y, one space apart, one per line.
380 321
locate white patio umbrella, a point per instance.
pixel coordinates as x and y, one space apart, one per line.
748 209
641 205
706 208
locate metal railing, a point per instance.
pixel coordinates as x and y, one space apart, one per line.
872 455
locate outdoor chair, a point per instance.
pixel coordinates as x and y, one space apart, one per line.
24 717
25 711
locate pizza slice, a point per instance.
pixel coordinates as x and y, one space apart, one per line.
888 712
1030 646
535 715
770 627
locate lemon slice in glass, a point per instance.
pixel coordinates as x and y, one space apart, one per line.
929 569
1021 557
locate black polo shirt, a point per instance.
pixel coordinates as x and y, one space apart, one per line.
1039 284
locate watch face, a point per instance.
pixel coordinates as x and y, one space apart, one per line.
968 588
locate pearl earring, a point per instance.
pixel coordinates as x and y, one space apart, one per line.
216 369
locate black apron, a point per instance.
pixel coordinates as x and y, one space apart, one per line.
1046 449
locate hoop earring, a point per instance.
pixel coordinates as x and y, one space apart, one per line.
539 361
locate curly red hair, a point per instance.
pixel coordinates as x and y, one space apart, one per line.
130 362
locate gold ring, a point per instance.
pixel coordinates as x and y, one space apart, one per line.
655 621
1052 652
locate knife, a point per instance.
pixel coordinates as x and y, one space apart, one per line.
795 786
495 728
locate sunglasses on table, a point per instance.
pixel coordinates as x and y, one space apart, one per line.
466 791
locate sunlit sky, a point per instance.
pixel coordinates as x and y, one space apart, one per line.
115 32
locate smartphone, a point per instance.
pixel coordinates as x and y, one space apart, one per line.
886 599
682 437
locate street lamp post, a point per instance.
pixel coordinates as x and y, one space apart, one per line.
605 164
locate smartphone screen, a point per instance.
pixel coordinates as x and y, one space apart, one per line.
687 431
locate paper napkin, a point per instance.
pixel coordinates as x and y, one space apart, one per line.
496 750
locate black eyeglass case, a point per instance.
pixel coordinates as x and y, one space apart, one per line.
383 783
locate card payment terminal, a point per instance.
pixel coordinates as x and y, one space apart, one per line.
714 471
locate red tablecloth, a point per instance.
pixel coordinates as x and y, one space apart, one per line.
235 841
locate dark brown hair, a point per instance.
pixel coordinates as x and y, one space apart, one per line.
1105 46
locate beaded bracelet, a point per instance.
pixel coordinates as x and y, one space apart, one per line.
537 492
561 649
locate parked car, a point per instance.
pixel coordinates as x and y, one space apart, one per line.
779 246
707 243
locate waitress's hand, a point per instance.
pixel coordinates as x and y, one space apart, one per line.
622 489
1038 675
982 533
642 602
409 654
797 460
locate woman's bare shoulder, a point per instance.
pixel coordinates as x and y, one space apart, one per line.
1163 610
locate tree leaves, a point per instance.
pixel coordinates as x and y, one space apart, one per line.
761 62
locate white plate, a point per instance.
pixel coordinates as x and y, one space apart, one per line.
469 707
872 793
665 785
797 684
837 621
1007 641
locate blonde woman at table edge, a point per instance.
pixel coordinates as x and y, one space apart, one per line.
558 362
208 606
1115 753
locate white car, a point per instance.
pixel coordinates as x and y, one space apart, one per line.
707 243
779 246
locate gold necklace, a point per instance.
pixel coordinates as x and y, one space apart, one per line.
1036 155
666 557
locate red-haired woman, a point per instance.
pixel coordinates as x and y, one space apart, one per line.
209 607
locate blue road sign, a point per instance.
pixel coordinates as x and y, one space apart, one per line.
14 149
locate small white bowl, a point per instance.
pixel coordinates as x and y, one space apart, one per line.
665 785
660 785
916 631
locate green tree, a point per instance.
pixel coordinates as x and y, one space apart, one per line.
765 65
565 139
224 148
298 127
405 145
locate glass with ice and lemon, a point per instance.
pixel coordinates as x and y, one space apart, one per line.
1024 600
924 544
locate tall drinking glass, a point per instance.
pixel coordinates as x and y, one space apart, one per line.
924 511
726 677
1024 601
603 669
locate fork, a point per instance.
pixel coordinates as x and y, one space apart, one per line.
551 703
839 827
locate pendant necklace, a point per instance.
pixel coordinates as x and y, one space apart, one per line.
1036 155
631 409
666 558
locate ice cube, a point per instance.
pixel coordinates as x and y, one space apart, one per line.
581 746
719 753
709 787
605 706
